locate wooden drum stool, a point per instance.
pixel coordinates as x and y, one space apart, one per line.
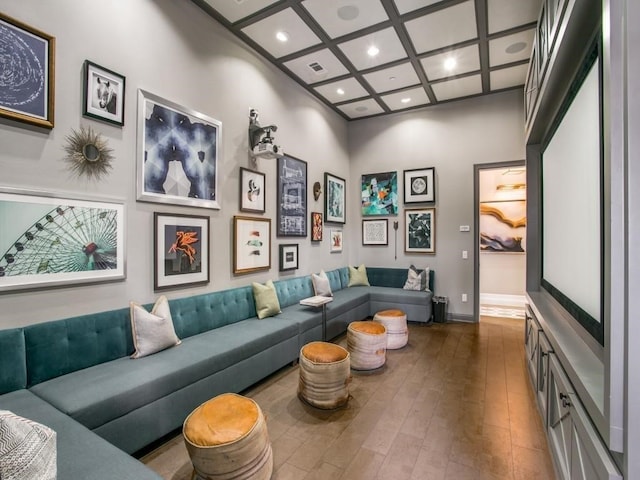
324 375
396 323
367 344
227 438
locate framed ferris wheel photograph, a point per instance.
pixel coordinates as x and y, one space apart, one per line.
49 240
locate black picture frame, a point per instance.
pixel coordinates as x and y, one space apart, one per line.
334 199
288 257
103 94
375 232
292 197
316 226
252 191
419 185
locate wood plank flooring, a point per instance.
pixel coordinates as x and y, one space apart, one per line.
455 403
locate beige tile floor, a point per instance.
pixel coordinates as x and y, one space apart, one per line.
455 403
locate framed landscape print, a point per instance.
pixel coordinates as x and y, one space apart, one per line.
252 191
316 226
49 240
334 198
288 257
375 232
178 152
379 193
27 74
292 197
181 250
419 185
336 240
503 226
103 94
251 244
420 235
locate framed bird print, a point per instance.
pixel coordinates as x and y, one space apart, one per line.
252 191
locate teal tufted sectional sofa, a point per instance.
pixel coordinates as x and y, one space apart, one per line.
75 375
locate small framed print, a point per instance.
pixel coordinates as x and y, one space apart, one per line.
336 240
103 94
288 257
252 191
375 232
419 185
335 199
420 234
316 226
181 250
251 244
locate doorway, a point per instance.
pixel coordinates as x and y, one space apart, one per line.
500 240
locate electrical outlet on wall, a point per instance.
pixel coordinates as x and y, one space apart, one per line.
464 297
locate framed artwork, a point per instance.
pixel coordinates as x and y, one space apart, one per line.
334 198
420 233
103 94
181 250
252 191
49 240
375 232
292 197
178 152
28 59
503 226
419 185
379 193
336 240
288 257
316 226
251 244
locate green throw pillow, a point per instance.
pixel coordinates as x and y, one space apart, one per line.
358 276
267 304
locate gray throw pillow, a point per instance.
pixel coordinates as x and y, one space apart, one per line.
152 332
321 284
417 280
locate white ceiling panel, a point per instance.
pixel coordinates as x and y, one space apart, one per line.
234 10
363 108
508 77
460 87
317 66
264 33
443 28
511 48
505 14
467 60
406 99
392 78
405 6
350 86
339 17
385 40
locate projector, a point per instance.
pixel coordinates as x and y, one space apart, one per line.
267 150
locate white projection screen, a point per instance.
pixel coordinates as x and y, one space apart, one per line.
571 201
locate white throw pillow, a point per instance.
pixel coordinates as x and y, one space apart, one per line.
417 280
321 284
27 449
153 331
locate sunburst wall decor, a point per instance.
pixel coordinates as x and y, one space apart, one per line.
88 154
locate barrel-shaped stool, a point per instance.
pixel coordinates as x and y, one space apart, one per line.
395 322
367 344
227 438
324 375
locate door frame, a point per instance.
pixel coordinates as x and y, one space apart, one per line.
476 225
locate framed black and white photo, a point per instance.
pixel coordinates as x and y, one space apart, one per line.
420 234
292 197
178 153
27 74
375 232
288 257
181 250
103 94
334 198
419 185
252 191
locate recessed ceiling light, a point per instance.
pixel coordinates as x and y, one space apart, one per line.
373 51
516 47
450 63
392 78
406 100
340 91
282 36
348 12
361 108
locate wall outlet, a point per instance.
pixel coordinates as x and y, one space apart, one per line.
465 254
464 297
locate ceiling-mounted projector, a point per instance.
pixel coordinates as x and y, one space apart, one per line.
261 138
267 150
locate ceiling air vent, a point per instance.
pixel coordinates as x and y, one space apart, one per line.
317 68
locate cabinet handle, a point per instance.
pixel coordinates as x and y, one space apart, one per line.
565 400
543 354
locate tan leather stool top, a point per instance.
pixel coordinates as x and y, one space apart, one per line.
324 352
372 328
391 313
221 420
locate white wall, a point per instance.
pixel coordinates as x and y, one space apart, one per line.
451 137
173 50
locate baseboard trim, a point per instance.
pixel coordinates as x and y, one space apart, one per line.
460 317
500 299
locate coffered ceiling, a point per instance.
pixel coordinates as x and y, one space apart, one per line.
370 57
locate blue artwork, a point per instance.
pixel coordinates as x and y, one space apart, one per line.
380 194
